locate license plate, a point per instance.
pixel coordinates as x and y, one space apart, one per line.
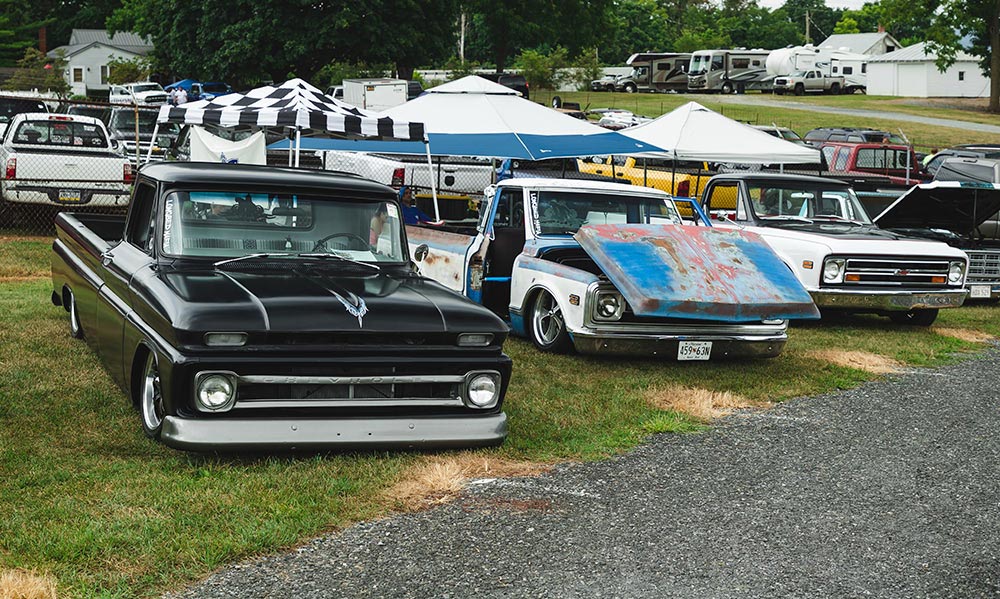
979 292
69 196
694 350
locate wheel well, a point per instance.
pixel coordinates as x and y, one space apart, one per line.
65 297
135 379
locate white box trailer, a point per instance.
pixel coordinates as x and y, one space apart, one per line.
375 94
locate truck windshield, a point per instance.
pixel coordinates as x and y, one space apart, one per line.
231 224
699 64
782 202
146 87
563 213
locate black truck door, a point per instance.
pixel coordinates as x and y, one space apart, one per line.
118 265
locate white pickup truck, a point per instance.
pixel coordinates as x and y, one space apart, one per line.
811 81
60 159
457 179
142 93
606 268
822 232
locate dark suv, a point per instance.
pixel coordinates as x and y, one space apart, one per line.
851 135
515 82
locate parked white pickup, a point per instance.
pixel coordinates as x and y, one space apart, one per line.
60 159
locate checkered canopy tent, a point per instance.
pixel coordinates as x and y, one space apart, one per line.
293 104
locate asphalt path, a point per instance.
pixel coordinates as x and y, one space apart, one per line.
887 490
761 100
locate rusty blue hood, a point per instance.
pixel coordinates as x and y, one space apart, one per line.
674 271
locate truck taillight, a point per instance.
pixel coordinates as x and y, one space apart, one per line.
684 189
128 176
11 171
397 177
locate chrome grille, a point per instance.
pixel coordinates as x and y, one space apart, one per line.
896 272
984 266
279 391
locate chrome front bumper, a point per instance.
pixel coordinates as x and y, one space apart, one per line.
665 345
236 434
888 301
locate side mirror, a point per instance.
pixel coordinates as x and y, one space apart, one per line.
421 252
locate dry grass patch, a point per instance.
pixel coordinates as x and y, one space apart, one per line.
439 479
22 584
703 404
861 360
964 334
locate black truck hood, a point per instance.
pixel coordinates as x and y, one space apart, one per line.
955 206
321 300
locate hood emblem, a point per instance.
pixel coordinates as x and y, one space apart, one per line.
358 311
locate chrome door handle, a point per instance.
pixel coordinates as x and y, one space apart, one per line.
106 258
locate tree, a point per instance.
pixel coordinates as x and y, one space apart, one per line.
541 69
38 71
122 70
846 24
822 18
585 68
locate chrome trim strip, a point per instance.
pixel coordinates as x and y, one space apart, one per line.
348 403
266 379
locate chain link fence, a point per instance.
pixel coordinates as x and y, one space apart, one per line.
52 163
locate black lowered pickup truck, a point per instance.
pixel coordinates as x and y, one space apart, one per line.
244 307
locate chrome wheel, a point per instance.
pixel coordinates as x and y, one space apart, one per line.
548 327
74 318
151 402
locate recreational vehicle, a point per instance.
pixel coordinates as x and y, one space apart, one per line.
727 71
655 72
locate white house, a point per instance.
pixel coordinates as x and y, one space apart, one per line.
912 72
872 44
90 50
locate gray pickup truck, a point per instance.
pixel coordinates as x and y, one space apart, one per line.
811 81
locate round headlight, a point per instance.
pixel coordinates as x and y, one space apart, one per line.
607 305
955 272
483 390
215 391
831 270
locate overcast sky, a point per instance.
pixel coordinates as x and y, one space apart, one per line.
852 4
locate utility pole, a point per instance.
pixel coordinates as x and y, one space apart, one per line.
807 26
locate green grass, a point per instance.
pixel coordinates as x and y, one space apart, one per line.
86 497
24 257
922 136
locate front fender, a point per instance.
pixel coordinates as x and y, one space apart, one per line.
532 274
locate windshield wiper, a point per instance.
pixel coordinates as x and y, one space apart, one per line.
248 257
342 259
837 219
798 219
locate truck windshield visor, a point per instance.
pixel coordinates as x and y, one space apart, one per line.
231 224
819 203
563 213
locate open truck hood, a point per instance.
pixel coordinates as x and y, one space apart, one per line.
674 271
959 207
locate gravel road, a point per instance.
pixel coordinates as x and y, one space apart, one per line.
888 490
761 100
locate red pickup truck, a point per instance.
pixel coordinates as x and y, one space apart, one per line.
898 162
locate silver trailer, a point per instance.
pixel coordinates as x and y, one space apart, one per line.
727 71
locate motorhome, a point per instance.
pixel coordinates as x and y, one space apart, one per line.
726 71
655 72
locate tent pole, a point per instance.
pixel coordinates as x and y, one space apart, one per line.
298 145
149 153
645 175
697 181
290 148
434 193
673 177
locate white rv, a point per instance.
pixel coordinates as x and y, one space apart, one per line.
831 62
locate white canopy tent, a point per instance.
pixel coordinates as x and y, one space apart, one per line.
693 132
